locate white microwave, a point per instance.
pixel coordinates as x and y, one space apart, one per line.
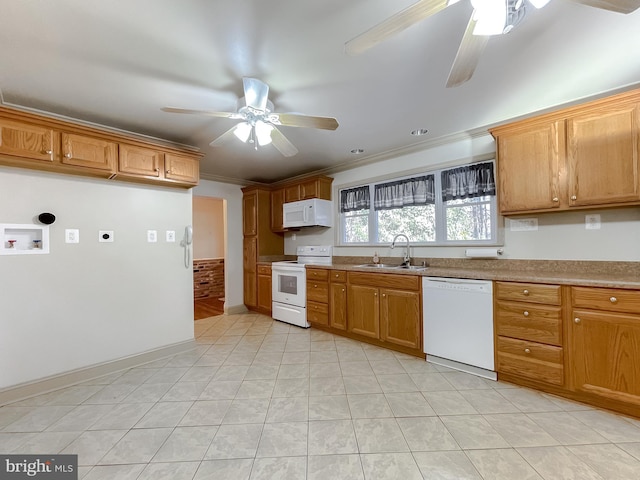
308 213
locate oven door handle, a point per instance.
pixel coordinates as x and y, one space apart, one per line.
286 268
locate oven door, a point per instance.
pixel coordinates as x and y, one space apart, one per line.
288 284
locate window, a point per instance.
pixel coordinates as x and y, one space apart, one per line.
451 206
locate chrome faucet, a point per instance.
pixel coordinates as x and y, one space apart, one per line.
406 260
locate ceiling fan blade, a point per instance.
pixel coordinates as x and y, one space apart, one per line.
620 6
284 146
469 52
256 93
395 24
226 136
298 120
208 113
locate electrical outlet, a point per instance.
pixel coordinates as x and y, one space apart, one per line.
592 222
523 225
105 236
152 236
171 236
72 235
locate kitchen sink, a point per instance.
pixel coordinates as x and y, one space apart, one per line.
396 267
378 265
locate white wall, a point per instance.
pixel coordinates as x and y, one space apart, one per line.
91 302
559 235
208 227
233 256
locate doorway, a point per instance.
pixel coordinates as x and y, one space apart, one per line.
209 234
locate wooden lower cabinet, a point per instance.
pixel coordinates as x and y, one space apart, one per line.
398 313
584 345
338 306
250 289
264 289
363 307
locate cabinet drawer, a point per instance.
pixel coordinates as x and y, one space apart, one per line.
385 280
338 276
529 292
530 359
318 313
317 274
529 322
264 269
611 299
318 291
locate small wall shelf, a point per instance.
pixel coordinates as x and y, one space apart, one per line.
24 239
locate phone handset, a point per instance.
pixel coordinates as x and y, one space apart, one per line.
186 243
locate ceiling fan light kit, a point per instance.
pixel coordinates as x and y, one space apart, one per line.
258 126
489 17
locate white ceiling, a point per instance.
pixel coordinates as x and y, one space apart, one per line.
118 62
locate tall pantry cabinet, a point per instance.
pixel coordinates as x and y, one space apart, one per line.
258 239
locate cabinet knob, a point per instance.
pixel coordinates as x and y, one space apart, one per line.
576 320
315 286
343 289
337 275
48 152
525 313
375 294
384 295
168 171
526 350
156 169
68 155
555 199
613 299
573 197
525 292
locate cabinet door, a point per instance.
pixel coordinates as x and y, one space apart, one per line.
603 157
181 169
605 351
26 141
277 220
363 311
292 193
264 292
139 161
309 189
250 253
338 306
89 152
250 289
400 317
250 213
528 169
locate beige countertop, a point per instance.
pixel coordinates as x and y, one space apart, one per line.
559 272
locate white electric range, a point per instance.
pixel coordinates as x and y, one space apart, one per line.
289 284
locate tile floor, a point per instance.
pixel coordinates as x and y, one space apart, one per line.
259 399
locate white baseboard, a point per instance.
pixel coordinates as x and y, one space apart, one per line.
73 377
235 309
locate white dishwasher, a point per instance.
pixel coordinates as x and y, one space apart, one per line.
458 324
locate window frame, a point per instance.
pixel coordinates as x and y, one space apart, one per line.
440 214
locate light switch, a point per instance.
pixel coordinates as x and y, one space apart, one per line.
171 236
152 236
72 235
523 224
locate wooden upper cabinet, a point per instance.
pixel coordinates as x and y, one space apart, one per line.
292 193
580 157
250 214
140 161
603 157
24 140
277 216
88 152
181 168
529 168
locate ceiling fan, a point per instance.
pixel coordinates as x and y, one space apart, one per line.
258 125
489 17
